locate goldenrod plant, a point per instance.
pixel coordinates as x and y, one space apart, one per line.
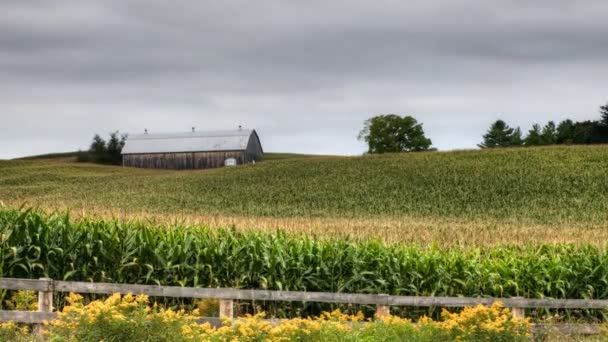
130 318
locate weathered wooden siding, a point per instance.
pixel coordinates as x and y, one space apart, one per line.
184 161
196 160
254 148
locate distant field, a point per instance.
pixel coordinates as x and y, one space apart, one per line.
554 194
59 155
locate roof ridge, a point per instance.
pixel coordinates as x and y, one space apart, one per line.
170 135
220 140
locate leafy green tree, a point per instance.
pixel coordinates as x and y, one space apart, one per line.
566 131
549 134
584 132
393 133
501 135
534 137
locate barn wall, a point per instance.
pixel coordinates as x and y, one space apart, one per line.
254 149
182 161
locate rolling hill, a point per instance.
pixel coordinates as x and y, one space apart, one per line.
550 193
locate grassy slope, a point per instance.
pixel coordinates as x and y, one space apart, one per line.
59 155
542 186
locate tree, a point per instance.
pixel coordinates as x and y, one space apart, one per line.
114 147
566 132
103 152
393 133
534 137
501 135
601 130
584 132
516 138
549 135
98 150
604 113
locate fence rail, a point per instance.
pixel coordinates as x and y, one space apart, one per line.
46 287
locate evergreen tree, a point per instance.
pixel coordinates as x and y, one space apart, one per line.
501 135
549 135
516 138
99 150
534 137
604 113
114 147
601 130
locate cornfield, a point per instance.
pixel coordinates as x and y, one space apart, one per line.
33 244
553 185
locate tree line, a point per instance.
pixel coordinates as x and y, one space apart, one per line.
566 132
393 133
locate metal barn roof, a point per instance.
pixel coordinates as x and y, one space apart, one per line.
188 142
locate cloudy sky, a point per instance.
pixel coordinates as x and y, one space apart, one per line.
305 74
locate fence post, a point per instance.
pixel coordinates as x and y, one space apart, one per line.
226 308
383 310
45 301
518 312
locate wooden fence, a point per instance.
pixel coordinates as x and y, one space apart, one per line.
226 296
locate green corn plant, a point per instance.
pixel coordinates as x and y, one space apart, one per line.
34 244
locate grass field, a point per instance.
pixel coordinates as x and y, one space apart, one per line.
553 194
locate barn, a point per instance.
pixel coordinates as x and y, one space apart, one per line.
192 150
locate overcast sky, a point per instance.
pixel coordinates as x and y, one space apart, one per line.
305 74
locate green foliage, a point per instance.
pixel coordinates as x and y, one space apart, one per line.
132 319
584 132
393 133
604 114
119 319
83 156
566 132
501 135
549 134
34 245
99 150
103 152
534 136
23 301
551 185
9 331
114 146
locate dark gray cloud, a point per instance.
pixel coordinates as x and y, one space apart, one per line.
305 74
